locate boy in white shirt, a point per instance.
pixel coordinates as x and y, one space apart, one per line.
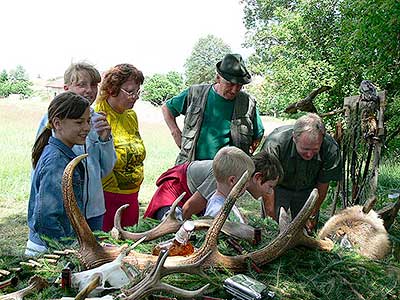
229 164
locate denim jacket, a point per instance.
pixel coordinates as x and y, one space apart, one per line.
46 214
98 165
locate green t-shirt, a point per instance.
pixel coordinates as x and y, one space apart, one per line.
216 125
300 174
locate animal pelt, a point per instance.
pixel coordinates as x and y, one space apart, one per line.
370 100
355 229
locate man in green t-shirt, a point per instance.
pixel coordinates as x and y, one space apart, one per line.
216 115
310 159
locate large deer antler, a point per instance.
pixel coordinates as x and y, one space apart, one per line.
152 281
171 225
92 254
36 284
90 250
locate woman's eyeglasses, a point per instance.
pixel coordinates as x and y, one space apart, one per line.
132 94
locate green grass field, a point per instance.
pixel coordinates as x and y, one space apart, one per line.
299 274
19 121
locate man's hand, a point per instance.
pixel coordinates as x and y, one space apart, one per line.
254 146
310 225
171 123
101 126
177 135
268 206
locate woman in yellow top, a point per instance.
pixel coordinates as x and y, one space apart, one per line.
119 91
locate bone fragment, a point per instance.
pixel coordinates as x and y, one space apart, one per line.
52 256
12 281
48 261
34 262
94 283
16 270
28 264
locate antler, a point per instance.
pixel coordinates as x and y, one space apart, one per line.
36 283
89 246
91 254
307 104
152 281
170 225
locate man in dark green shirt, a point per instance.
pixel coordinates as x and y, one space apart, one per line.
310 159
216 115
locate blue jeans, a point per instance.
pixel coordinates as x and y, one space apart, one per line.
96 223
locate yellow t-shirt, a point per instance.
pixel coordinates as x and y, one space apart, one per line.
127 174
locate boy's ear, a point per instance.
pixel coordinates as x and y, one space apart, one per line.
257 176
66 87
232 180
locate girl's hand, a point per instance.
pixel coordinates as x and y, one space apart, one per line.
101 125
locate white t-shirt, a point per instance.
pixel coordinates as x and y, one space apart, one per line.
214 205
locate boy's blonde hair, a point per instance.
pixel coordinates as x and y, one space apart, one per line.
231 161
72 74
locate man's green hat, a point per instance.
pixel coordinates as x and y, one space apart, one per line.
232 68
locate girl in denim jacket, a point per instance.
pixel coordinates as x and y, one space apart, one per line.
69 118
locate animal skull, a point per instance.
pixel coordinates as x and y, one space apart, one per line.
114 274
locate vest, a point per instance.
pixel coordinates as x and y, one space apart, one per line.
244 114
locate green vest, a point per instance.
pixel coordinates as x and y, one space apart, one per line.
241 128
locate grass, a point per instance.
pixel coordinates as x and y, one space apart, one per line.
18 129
299 274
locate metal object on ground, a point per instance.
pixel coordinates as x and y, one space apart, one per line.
257 236
246 288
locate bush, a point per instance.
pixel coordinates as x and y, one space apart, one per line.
160 87
15 83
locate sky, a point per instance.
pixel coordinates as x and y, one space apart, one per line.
45 36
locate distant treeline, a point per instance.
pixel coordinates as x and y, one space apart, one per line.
15 82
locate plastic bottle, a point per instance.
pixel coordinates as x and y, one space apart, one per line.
180 244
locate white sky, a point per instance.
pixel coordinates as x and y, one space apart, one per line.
45 36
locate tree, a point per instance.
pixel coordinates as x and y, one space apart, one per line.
302 45
200 66
19 73
15 82
5 87
160 87
3 76
291 49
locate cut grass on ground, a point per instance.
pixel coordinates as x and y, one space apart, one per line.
298 274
